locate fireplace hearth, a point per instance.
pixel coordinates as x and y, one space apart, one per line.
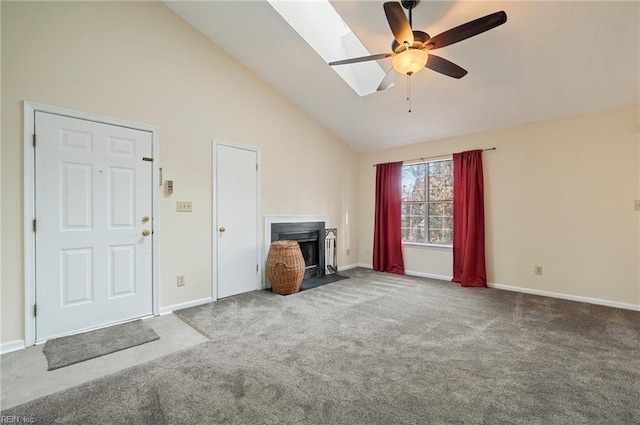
310 237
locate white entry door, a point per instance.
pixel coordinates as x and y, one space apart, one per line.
237 220
93 240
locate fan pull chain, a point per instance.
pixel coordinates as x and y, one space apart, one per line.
409 92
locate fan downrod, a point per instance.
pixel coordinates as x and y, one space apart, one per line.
409 4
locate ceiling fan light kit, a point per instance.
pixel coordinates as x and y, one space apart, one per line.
410 47
410 61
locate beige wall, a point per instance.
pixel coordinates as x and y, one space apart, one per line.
559 193
138 61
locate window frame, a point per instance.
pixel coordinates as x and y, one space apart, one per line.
426 203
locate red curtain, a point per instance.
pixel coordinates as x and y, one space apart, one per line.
387 239
468 220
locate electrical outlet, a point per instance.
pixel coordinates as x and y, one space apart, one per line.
636 204
538 270
181 280
183 206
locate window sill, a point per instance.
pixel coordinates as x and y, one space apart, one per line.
427 245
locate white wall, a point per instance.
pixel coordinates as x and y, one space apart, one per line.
559 194
140 62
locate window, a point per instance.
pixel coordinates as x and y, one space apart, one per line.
322 27
427 202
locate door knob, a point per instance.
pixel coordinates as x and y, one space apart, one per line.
145 219
222 229
145 232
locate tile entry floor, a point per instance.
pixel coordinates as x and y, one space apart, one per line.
24 375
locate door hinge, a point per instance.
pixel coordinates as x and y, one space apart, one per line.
35 310
146 158
34 140
34 225
256 167
256 268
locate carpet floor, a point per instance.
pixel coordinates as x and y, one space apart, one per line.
378 349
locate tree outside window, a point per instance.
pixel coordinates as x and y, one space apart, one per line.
427 202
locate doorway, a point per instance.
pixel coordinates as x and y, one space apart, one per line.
237 206
92 206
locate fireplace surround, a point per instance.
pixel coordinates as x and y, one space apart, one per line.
269 220
310 236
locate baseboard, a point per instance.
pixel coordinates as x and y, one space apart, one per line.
407 272
168 309
588 300
568 297
8 347
428 275
355 266
349 267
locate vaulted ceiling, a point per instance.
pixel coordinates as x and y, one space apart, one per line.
550 59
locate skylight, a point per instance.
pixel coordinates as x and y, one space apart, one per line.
318 23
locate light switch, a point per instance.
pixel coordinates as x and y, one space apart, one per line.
183 206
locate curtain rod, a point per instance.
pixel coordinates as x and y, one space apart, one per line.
437 156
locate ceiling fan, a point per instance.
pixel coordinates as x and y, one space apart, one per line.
410 47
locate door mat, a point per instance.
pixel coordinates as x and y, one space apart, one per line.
68 350
314 282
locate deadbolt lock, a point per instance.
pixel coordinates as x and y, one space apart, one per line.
222 229
145 219
146 232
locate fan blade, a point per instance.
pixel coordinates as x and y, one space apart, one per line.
387 80
467 30
361 59
443 66
398 22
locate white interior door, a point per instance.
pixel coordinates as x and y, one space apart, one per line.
93 207
237 220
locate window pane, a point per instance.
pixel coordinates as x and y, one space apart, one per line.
435 236
436 208
435 222
404 217
435 167
441 181
444 209
443 237
417 209
414 182
440 222
417 223
448 223
413 216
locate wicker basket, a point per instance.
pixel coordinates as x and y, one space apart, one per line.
285 267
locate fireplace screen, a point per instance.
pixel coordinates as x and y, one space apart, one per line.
309 253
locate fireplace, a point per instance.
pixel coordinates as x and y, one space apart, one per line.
310 237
